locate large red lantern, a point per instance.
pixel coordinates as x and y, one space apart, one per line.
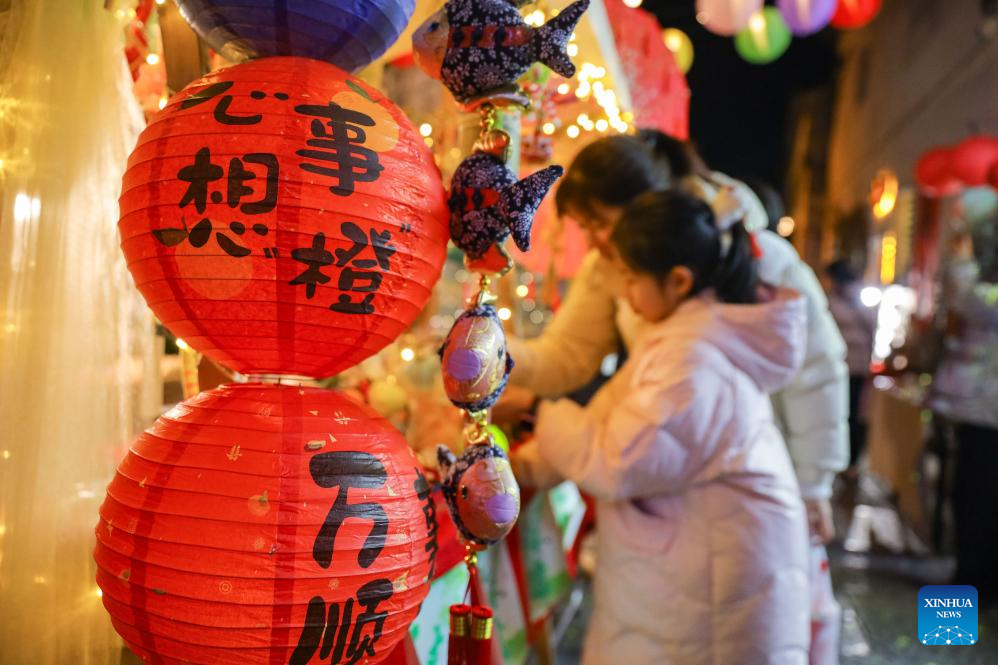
934 173
852 14
283 218
266 524
974 159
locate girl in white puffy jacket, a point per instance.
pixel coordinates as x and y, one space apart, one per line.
702 546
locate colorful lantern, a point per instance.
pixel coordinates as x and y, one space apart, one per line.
726 17
805 17
934 173
349 35
765 39
680 46
261 524
283 218
974 159
855 13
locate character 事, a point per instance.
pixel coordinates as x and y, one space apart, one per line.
487 203
479 48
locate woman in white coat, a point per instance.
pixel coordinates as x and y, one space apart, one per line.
702 545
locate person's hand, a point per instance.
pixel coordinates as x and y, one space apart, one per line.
819 519
514 404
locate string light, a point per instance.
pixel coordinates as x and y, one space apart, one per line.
408 355
505 314
162 102
602 125
572 50
633 4
426 129
428 141
548 128
152 59
785 226
522 290
572 131
564 89
182 345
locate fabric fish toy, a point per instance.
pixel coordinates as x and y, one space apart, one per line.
479 48
481 492
476 364
487 203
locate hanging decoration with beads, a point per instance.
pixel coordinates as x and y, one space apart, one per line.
479 49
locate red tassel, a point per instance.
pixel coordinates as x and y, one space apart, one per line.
754 244
480 644
460 630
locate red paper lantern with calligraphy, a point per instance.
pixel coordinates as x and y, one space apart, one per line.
855 13
974 159
283 218
934 173
266 524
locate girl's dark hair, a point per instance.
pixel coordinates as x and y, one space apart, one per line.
612 171
662 230
681 157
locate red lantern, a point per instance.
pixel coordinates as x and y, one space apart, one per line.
855 13
974 158
266 524
934 173
283 217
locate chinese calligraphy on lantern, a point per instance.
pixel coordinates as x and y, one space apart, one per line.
339 635
218 184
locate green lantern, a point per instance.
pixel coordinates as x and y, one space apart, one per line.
766 38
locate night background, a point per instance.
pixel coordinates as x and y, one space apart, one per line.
738 110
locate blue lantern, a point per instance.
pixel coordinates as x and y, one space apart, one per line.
347 33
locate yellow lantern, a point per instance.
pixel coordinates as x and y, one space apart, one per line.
681 47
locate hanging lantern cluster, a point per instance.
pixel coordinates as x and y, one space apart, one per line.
944 171
762 34
488 204
288 221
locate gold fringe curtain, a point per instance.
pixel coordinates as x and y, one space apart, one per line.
77 352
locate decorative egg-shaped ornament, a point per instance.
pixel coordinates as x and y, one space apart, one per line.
476 363
481 492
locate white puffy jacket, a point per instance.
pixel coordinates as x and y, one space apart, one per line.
812 411
702 546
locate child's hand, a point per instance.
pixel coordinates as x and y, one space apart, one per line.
514 404
819 519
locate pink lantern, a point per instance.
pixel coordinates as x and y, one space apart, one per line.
855 13
805 17
934 173
726 17
974 159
